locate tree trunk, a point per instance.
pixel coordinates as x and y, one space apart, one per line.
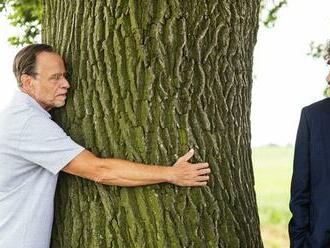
149 80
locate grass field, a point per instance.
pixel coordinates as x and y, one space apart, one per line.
273 170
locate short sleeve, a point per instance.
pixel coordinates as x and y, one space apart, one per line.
44 143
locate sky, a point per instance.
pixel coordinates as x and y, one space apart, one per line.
7 54
285 78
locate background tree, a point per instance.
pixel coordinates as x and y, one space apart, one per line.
26 14
150 79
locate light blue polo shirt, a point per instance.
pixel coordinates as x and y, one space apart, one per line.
33 149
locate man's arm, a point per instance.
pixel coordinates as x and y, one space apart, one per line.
125 173
300 186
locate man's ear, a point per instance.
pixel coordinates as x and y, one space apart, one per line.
26 81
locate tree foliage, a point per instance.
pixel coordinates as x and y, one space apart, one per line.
318 50
269 10
25 14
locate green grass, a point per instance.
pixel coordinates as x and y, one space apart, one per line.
273 171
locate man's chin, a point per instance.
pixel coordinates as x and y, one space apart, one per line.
59 104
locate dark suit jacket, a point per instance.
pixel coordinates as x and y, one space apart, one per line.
310 186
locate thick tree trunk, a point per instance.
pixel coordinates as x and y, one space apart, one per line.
149 80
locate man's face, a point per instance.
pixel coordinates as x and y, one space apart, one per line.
49 86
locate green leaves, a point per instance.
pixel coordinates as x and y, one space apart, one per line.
25 14
326 91
269 10
317 50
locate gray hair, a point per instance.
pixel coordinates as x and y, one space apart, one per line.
25 60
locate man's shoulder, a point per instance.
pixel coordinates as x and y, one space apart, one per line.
318 111
15 117
319 106
18 113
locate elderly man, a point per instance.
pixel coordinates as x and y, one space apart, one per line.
33 149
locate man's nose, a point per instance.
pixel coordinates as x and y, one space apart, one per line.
65 83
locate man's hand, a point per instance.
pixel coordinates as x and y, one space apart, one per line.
184 173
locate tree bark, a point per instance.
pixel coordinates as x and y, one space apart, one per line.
149 80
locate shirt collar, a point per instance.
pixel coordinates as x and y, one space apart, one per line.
31 102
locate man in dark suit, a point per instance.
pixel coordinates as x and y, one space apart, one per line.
310 186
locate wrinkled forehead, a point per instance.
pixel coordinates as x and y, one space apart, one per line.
49 62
